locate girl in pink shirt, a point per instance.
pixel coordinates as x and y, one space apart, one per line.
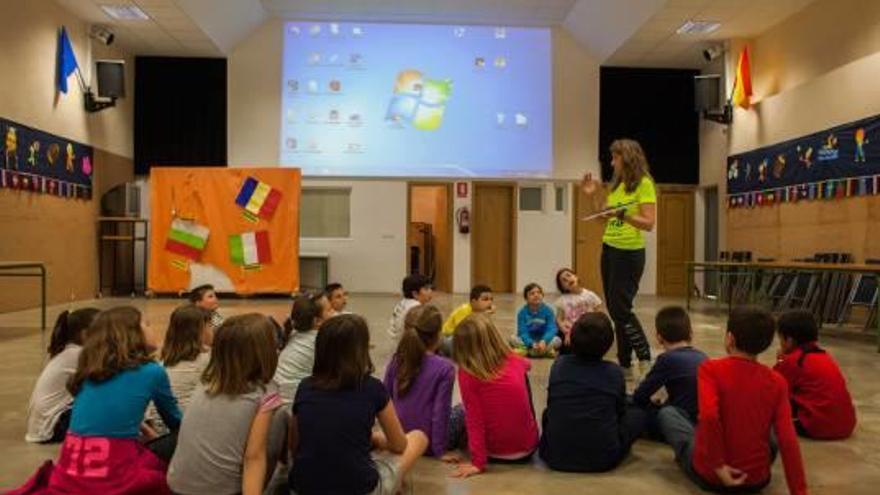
498 415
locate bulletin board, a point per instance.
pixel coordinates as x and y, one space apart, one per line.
237 229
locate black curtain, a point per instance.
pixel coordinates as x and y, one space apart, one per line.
179 112
656 108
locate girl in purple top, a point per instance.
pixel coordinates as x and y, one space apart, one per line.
419 381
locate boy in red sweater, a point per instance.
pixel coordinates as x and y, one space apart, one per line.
820 402
740 400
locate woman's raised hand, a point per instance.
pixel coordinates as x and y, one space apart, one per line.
589 185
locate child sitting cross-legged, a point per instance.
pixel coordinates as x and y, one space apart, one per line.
330 436
498 419
675 369
586 425
740 402
481 301
536 326
821 405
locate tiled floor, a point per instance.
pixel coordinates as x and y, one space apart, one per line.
849 467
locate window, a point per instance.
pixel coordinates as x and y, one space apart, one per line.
325 212
561 197
531 198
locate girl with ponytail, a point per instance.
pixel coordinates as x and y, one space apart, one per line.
419 381
49 407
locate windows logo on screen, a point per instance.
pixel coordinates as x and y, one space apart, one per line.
418 101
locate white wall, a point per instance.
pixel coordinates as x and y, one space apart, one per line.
373 258
461 245
543 241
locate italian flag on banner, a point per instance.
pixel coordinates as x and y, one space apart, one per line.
258 198
250 248
187 238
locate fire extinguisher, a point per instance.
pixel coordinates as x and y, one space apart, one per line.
463 219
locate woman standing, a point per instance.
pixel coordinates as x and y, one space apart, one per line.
633 195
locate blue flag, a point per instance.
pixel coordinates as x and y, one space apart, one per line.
66 61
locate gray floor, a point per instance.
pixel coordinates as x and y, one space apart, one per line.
848 467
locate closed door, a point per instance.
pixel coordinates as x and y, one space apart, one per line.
675 241
588 241
493 237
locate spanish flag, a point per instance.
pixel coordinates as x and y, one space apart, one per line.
742 86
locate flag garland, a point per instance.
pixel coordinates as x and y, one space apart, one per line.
250 248
839 162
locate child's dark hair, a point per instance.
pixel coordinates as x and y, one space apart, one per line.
413 284
332 287
752 328
342 353
421 331
592 336
183 340
69 328
199 292
529 288
562 289
303 313
798 325
479 290
673 324
244 356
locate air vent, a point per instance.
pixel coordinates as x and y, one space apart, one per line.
698 27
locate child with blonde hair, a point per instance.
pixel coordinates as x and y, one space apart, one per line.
498 415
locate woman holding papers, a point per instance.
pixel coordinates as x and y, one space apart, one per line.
630 210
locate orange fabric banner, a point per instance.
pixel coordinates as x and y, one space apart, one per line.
234 228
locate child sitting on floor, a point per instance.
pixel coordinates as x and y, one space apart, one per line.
49 407
497 420
675 369
573 301
298 356
230 438
331 435
481 301
821 405
115 379
204 297
536 326
740 402
586 425
417 290
419 381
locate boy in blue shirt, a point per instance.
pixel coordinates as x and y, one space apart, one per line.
675 369
536 326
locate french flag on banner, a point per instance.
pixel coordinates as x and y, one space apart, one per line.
258 198
250 248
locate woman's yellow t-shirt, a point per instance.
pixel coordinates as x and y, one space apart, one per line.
619 234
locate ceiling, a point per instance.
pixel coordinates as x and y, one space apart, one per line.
656 43
615 32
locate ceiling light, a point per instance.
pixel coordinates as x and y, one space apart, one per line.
125 12
698 27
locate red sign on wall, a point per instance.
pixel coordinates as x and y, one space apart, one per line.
461 189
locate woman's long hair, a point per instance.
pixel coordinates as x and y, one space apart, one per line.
115 342
421 331
342 353
479 348
243 357
69 328
635 165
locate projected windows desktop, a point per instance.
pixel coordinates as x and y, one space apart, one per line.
364 99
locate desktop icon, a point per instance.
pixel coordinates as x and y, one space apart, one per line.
334 29
500 62
315 30
335 86
500 33
521 119
312 86
357 31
